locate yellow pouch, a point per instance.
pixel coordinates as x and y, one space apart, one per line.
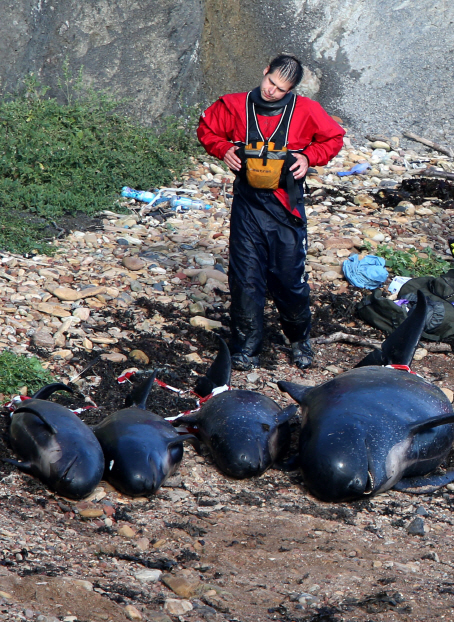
264 165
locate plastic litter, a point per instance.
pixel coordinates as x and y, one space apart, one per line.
368 272
358 169
179 203
173 196
397 283
138 195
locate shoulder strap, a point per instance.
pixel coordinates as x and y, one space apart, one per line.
280 134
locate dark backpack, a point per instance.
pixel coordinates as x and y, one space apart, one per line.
384 314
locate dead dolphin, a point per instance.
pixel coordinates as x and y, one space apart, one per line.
246 432
55 445
375 428
141 449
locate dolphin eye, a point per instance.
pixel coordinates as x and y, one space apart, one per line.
370 484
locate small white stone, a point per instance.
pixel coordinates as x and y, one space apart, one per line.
148 576
177 607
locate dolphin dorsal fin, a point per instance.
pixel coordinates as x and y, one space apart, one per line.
296 391
45 392
139 395
219 373
435 422
37 413
399 348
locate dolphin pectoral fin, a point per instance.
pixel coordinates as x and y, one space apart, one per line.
424 484
399 348
285 415
40 416
219 373
49 389
25 467
185 437
296 391
139 395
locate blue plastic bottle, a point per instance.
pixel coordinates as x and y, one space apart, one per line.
184 203
138 195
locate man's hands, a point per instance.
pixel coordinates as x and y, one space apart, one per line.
300 167
232 160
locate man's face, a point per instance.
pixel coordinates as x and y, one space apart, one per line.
273 87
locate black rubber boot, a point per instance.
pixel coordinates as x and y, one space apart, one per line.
302 354
243 362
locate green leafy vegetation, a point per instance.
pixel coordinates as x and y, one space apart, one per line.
410 262
17 371
58 159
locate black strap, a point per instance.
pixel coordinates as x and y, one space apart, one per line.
280 134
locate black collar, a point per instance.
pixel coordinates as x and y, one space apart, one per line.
269 109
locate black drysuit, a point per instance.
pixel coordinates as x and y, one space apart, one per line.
267 249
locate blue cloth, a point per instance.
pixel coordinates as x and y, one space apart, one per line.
358 169
368 272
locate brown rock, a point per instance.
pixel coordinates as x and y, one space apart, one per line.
183 585
91 512
132 613
82 313
139 357
91 291
177 607
114 357
66 293
133 263
66 355
43 339
338 243
204 322
53 309
143 544
126 531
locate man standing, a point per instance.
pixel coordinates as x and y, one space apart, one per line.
269 137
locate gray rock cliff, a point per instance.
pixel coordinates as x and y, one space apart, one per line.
381 65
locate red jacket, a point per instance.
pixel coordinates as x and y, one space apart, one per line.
311 129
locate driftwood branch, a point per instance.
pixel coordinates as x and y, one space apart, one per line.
373 343
447 150
430 172
336 337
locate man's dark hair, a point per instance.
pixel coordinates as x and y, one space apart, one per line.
288 67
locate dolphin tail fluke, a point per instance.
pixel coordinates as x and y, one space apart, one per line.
32 409
185 437
46 392
219 373
25 467
296 391
424 484
399 348
139 395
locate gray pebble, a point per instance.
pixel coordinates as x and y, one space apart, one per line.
416 527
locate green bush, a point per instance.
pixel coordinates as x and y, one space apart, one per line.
60 159
17 371
410 262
